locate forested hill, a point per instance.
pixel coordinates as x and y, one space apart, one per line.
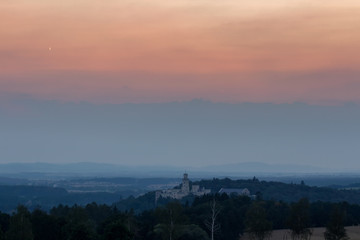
47 197
277 191
283 191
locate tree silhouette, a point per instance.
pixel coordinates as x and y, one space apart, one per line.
20 225
335 229
257 225
171 217
1 234
81 231
117 231
45 226
193 232
299 220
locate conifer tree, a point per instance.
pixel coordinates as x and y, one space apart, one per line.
20 225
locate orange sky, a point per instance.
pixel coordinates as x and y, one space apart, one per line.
146 51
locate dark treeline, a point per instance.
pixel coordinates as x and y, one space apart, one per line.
221 216
284 191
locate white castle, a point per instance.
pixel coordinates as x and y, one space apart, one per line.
183 191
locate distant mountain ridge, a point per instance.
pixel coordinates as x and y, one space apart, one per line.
101 169
259 167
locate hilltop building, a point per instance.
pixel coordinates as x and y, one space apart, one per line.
184 191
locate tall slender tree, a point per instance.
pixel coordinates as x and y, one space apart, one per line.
211 223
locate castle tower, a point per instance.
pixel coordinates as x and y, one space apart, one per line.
185 188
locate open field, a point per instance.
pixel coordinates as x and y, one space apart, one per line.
318 234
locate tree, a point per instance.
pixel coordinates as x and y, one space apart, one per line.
193 232
1 234
171 217
335 229
211 223
81 231
20 225
147 219
78 225
257 225
4 222
131 222
117 231
45 226
299 220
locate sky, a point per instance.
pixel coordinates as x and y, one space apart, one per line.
142 51
190 134
115 81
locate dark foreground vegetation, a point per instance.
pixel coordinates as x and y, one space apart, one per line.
217 216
